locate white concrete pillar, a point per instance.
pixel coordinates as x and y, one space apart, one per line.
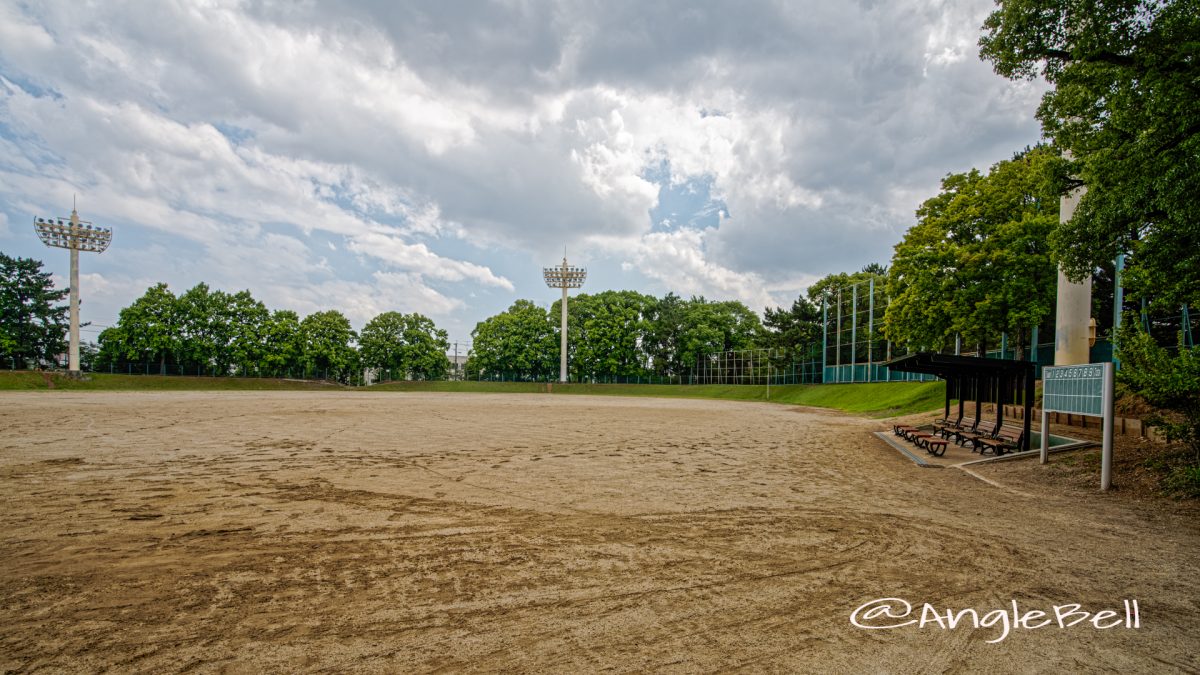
1073 310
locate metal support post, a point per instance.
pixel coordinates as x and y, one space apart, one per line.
870 331
1107 447
853 332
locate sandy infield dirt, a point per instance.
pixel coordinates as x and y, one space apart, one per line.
389 532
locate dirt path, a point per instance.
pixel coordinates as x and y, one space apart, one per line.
416 532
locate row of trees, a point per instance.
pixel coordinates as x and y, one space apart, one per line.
211 331
611 334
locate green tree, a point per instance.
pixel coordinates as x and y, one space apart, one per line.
247 320
605 333
282 346
664 329
828 286
201 333
147 330
791 331
410 345
1168 381
220 330
32 327
679 332
327 351
715 327
519 342
977 263
1126 105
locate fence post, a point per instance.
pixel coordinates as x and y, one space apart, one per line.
871 332
854 333
824 336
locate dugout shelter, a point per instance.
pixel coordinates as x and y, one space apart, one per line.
998 381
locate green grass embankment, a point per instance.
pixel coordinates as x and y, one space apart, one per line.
24 380
879 399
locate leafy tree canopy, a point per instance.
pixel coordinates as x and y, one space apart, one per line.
407 343
792 330
326 338
605 333
977 262
32 327
282 345
147 330
1169 380
1126 106
518 342
712 327
829 285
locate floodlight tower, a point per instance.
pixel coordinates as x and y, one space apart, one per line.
564 277
75 235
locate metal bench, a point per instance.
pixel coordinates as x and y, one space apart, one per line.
983 429
1006 438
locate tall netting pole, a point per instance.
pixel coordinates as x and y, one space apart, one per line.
824 336
854 333
871 330
837 377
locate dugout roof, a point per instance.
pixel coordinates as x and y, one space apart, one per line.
947 366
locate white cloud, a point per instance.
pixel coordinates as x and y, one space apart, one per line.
678 260
228 140
418 258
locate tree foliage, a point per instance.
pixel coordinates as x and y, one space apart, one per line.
327 350
282 345
828 286
211 332
1126 105
605 333
664 333
792 330
518 342
221 330
408 344
32 328
711 327
147 330
613 334
977 262
1168 380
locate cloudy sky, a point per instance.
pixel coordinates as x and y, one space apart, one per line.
376 155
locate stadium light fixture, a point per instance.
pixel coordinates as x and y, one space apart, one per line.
564 276
74 235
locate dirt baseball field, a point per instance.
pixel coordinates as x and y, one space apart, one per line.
387 532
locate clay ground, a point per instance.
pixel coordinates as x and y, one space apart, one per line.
387 532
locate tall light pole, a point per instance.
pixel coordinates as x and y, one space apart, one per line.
564 277
75 235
